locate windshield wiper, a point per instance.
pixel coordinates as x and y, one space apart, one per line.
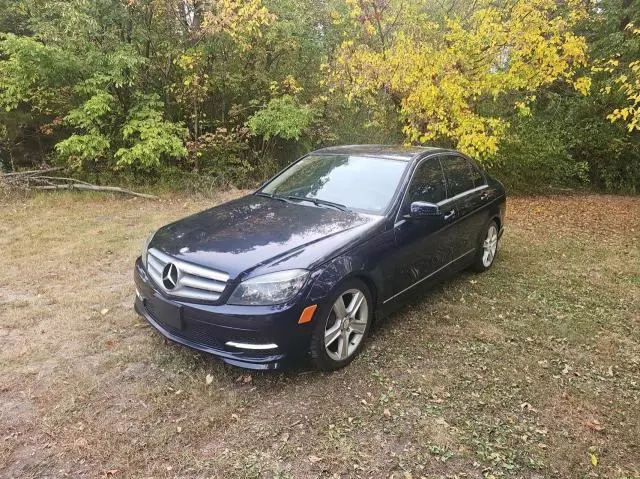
318 202
272 196
315 201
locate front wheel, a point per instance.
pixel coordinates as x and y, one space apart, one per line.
488 249
339 334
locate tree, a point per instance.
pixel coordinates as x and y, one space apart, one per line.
442 75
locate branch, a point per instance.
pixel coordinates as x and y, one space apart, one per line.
88 187
61 178
31 173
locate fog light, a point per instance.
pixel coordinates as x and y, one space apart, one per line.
138 294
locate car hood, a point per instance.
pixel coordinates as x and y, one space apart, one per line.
265 234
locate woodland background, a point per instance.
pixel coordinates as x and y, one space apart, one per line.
197 94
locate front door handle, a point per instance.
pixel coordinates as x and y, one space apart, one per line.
449 215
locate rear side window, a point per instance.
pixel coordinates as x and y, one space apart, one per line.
478 177
428 183
458 173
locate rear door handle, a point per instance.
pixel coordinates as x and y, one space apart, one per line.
449 215
485 196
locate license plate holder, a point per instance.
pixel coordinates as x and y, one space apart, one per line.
166 313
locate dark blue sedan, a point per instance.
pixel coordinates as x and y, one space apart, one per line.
304 265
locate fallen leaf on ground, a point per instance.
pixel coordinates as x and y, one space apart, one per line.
209 379
314 459
104 311
595 425
528 407
81 442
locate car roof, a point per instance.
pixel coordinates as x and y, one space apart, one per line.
395 152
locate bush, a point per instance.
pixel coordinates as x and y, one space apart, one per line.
223 156
567 142
532 157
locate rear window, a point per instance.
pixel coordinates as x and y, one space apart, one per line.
458 173
478 177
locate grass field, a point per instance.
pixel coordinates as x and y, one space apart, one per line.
530 370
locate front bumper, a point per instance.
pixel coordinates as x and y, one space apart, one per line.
254 337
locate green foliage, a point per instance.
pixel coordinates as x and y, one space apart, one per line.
92 113
233 90
81 149
222 155
282 117
567 141
534 156
148 137
33 74
90 144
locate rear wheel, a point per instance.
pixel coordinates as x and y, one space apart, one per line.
339 334
488 249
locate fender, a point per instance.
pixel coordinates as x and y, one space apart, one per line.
362 262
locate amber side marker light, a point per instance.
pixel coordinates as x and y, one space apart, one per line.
307 314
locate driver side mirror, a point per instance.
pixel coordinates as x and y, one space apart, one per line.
422 210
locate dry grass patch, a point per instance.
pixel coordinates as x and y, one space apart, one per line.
531 370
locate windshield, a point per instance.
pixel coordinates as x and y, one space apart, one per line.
357 182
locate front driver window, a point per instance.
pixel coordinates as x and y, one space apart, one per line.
428 183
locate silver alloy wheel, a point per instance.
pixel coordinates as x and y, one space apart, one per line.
490 246
346 324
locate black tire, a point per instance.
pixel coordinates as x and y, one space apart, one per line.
480 263
320 357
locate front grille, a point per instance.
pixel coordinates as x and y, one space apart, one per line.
193 281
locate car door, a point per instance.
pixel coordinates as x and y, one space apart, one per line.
422 247
465 190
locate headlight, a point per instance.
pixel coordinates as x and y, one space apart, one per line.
273 288
145 249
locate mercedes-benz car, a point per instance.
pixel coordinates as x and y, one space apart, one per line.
304 265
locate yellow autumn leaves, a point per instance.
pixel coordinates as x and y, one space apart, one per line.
240 19
437 72
627 78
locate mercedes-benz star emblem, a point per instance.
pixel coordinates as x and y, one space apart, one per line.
170 276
